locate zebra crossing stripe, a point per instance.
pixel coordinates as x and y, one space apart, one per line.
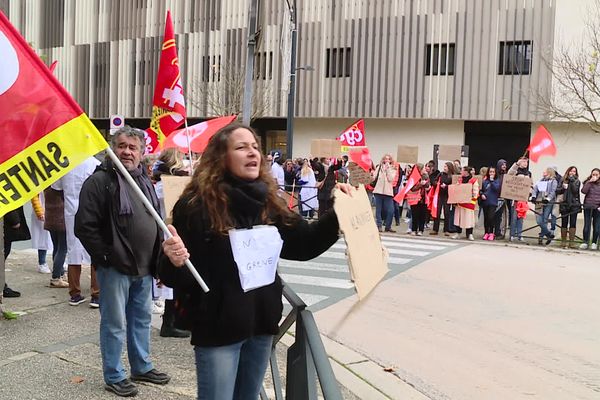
392 250
417 241
342 256
308 298
312 265
317 281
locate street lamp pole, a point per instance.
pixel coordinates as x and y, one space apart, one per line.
292 88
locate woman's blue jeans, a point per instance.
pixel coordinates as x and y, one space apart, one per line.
125 311
591 224
384 204
542 220
235 371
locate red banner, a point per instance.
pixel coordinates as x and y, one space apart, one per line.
168 105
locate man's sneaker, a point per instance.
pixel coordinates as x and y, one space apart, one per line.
583 246
58 283
94 303
594 246
419 233
125 388
43 269
152 376
76 300
471 237
8 292
455 236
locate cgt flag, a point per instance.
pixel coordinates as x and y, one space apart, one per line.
542 143
353 136
44 132
168 104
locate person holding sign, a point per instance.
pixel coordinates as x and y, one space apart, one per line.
464 216
570 205
234 228
543 196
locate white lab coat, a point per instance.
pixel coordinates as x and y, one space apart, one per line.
40 238
308 192
71 184
279 175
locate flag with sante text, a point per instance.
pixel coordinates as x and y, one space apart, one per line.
45 134
168 104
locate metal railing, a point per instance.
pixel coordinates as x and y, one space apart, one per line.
307 361
299 204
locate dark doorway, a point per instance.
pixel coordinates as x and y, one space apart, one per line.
490 141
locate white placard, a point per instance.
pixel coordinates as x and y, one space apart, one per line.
256 253
542 186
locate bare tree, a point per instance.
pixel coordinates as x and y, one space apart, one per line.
575 92
222 93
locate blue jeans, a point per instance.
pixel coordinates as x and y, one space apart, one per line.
516 226
124 310
59 252
591 220
384 204
42 256
235 371
542 220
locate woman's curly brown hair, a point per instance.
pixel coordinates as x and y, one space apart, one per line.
208 184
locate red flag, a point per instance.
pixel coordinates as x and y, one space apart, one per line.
168 105
199 134
415 176
45 134
52 66
541 144
354 135
433 201
361 156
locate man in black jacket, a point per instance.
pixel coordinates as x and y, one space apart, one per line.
123 241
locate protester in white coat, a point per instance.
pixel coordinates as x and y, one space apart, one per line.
40 238
71 184
308 191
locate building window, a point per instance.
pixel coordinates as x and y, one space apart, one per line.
439 59
263 65
515 58
338 62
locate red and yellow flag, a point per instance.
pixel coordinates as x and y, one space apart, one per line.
44 132
168 105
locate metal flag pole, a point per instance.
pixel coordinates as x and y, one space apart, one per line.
153 212
189 146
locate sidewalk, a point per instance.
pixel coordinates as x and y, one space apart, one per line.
53 350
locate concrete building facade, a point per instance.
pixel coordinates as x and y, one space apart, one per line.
421 72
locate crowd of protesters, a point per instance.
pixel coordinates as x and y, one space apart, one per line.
555 198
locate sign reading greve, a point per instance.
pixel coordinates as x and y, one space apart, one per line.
45 134
516 187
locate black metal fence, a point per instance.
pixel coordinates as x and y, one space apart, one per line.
307 361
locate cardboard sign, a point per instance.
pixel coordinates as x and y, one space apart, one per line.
462 193
408 154
172 188
367 258
329 148
516 187
449 152
358 176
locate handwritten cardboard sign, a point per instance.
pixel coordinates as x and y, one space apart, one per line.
358 175
462 193
329 148
172 188
456 178
449 152
408 154
516 187
367 258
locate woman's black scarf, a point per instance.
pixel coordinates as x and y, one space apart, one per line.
247 200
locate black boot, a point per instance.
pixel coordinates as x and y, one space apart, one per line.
168 329
8 292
